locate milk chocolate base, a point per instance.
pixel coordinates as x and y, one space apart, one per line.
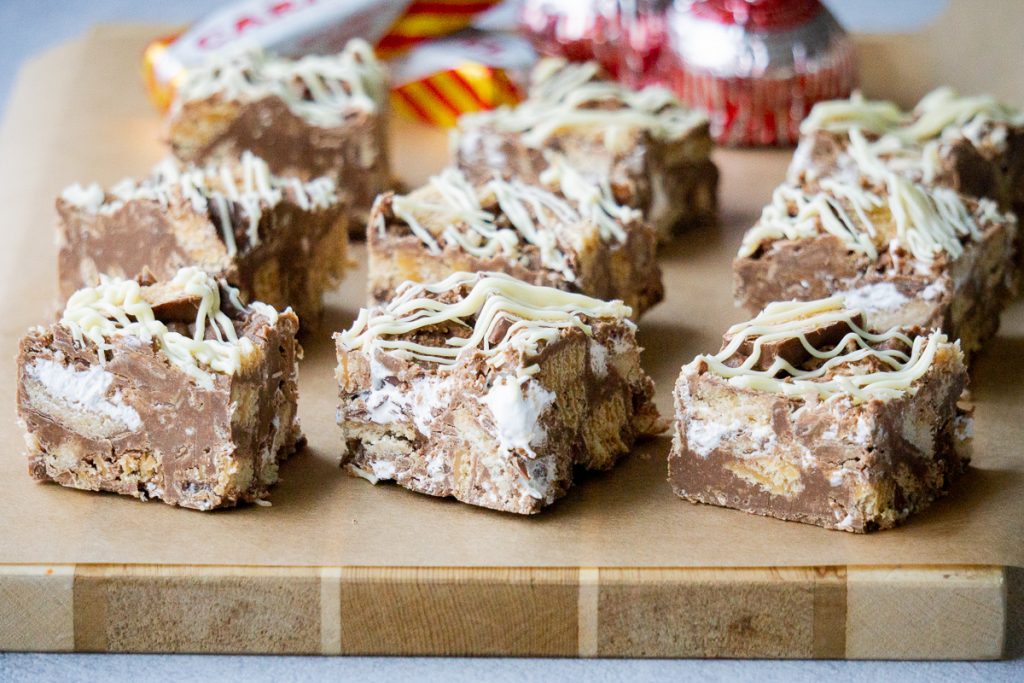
605 270
963 298
354 153
601 407
301 255
674 184
833 464
152 432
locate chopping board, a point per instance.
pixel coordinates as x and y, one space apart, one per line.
620 567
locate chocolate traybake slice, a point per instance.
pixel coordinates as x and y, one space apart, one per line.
170 390
491 390
906 253
320 115
562 232
806 416
276 239
974 145
651 150
971 144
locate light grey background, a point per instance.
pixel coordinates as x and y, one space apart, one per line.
28 27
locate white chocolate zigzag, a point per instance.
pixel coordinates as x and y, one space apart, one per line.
317 88
937 111
792 320
534 213
211 189
115 308
563 96
536 314
927 221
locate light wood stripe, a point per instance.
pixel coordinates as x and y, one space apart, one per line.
330 610
926 612
37 608
589 592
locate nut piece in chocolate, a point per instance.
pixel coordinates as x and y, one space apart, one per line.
906 253
321 115
491 390
167 390
651 150
278 240
562 231
857 431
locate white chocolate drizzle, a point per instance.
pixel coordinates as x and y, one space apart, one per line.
452 204
115 308
563 96
536 315
925 221
318 88
213 189
936 112
838 372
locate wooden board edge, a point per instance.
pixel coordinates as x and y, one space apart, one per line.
854 612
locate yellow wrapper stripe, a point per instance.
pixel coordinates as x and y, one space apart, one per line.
440 98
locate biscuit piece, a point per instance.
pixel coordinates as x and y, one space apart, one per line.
490 390
858 434
173 391
652 151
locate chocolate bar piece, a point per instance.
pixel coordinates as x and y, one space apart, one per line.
857 434
974 145
172 390
906 253
321 115
491 390
652 151
568 234
276 239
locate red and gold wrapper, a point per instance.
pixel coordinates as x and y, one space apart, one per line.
439 81
757 66
625 36
296 27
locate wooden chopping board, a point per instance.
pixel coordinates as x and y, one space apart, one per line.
620 567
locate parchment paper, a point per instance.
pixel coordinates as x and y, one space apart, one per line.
79 114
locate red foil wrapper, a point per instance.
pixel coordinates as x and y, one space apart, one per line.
625 36
756 66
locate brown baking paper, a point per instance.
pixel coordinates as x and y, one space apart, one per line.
79 114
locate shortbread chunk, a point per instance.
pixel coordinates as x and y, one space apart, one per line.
491 390
278 240
906 253
651 150
162 390
806 416
565 233
321 115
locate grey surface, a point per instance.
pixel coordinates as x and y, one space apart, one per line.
27 27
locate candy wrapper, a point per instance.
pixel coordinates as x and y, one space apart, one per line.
394 27
757 66
439 81
625 36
